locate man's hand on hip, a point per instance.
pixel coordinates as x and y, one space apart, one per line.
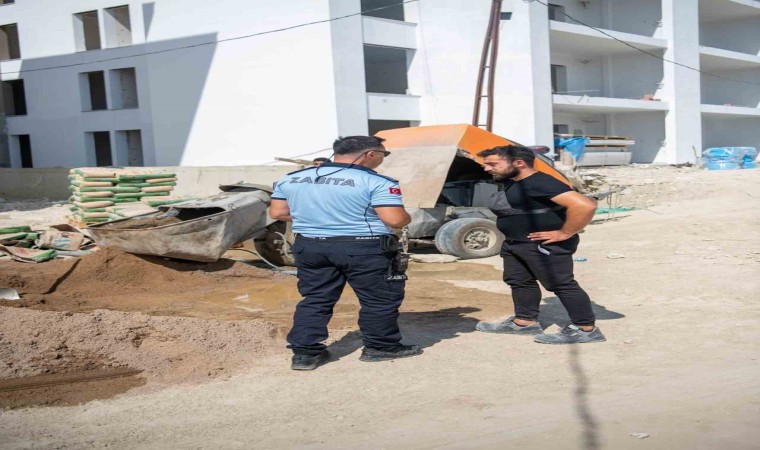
550 236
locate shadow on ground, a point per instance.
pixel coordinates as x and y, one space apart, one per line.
425 329
553 313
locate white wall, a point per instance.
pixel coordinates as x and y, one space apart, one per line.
592 14
267 96
730 132
634 75
629 75
681 85
637 17
721 91
525 75
629 16
593 124
348 64
585 73
647 128
199 106
445 68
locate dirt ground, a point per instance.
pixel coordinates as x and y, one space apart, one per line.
198 360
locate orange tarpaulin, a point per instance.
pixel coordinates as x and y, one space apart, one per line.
465 137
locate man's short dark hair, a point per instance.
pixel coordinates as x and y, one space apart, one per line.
511 153
356 144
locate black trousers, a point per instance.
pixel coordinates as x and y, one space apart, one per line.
525 263
324 267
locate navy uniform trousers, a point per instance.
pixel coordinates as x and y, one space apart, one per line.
324 266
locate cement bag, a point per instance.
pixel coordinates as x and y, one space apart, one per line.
146 184
144 176
21 229
94 173
158 189
95 194
92 183
77 198
88 205
97 179
61 237
166 200
80 218
89 210
133 195
162 180
109 189
95 215
28 255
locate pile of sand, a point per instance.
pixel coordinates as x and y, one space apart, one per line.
112 271
167 349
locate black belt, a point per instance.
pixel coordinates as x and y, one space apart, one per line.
339 238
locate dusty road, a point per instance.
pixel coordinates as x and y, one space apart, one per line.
676 288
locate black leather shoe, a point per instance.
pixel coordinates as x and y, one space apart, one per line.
309 362
402 351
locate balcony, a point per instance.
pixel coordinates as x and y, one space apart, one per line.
389 33
393 107
638 17
572 38
730 25
727 10
716 59
729 111
601 105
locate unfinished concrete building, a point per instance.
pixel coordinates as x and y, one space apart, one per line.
93 82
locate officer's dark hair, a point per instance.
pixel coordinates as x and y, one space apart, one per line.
356 144
511 153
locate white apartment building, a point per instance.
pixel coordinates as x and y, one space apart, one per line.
195 82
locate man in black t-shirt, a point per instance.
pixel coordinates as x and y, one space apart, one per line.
540 217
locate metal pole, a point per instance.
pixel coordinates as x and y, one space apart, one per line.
488 60
492 65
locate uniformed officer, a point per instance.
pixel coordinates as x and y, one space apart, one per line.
342 214
319 161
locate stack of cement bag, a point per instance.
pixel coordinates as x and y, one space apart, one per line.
103 194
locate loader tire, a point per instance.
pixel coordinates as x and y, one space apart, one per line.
469 238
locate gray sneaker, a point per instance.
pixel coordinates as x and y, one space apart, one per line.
571 335
509 326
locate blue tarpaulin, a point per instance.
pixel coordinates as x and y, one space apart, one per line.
730 158
575 145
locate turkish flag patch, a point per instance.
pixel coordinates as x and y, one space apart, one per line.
395 191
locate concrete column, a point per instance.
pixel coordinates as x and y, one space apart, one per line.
523 85
681 89
348 66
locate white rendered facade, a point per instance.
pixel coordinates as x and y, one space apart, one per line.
290 93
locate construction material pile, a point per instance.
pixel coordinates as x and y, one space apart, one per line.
730 158
22 243
596 150
103 194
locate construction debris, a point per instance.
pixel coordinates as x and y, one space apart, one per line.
22 244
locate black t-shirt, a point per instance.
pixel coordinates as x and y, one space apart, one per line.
532 193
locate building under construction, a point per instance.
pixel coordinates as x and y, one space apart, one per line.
233 82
